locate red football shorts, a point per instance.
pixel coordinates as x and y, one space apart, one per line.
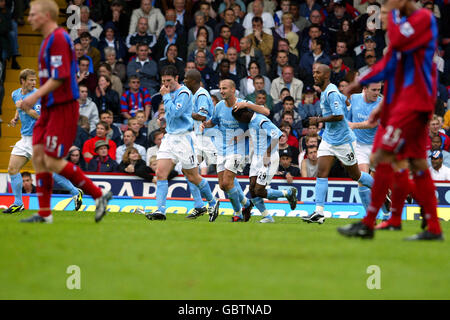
56 128
405 134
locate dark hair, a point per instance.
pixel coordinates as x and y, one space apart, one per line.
288 98
207 33
253 62
222 27
258 76
289 113
263 92
105 65
104 124
26 174
141 44
257 19
169 70
83 58
224 60
85 35
320 42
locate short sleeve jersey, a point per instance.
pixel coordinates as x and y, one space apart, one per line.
27 121
57 60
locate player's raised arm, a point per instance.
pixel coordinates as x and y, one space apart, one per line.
255 107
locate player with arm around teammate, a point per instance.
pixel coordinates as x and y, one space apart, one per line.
264 162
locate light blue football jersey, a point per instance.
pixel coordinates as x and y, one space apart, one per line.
262 132
178 108
26 120
227 129
204 106
333 103
360 111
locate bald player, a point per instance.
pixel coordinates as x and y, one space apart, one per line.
231 148
338 140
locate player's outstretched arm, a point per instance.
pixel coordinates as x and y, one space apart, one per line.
257 108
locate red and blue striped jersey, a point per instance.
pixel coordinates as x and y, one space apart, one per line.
57 60
407 68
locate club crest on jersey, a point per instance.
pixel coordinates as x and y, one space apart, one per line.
56 61
406 29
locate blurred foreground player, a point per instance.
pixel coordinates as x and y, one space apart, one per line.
410 77
56 128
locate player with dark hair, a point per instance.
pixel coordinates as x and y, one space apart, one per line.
56 128
410 88
264 162
178 144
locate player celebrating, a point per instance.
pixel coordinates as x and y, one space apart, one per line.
337 141
203 108
410 93
23 149
230 147
264 162
178 144
361 105
56 128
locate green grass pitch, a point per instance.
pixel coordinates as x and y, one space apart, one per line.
126 256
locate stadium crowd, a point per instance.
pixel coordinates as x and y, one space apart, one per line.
267 48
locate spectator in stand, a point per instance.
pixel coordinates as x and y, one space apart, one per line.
184 14
255 82
210 14
335 20
86 24
369 45
258 11
261 40
76 157
209 77
338 69
312 139
287 80
219 54
132 163
142 35
236 68
169 36
286 126
157 137
229 19
135 99
102 161
27 182
154 17
116 84
88 108
439 172
293 60
286 169
346 34
82 132
9 47
224 72
200 22
106 98
371 59
436 144
310 106
118 68
201 44
114 132
300 21
89 148
279 106
154 124
284 145
308 6
315 55
85 41
287 27
281 61
119 16
342 85
84 77
310 165
288 106
225 40
180 30
145 69
435 130
139 131
129 138
250 54
311 33
342 50
269 6
261 98
284 8
172 58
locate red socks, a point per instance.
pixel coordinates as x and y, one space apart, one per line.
44 187
382 182
400 190
427 199
79 179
